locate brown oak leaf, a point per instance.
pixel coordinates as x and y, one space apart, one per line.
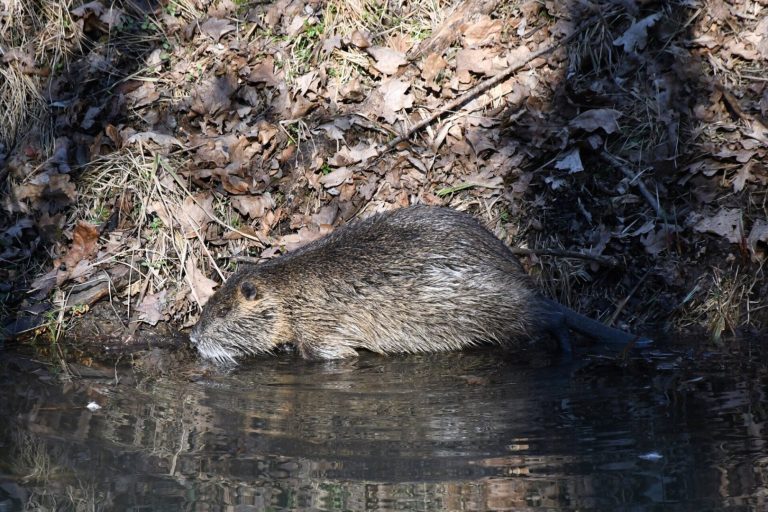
386 60
84 243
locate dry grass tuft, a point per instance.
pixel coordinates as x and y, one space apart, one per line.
724 298
47 34
21 102
559 278
154 202
383 25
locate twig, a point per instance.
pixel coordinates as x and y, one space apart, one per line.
477 90
245 259
624 301
635 180
608 261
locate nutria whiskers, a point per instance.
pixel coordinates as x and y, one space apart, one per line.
418 279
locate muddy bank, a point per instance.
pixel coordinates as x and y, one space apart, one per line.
148 147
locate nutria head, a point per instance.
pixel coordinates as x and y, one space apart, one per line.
240 319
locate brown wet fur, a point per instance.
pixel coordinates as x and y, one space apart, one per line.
418 279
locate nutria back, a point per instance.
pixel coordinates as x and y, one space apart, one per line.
418 279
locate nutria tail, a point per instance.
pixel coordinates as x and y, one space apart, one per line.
596 330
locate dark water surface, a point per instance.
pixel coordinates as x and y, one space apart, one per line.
464 431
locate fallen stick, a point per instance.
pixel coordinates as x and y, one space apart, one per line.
477 90
635 180
607 261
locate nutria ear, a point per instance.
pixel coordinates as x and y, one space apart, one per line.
249 291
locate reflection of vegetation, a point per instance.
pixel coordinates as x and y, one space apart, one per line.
50 482
308 443
33 461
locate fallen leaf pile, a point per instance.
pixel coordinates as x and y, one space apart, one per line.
163 143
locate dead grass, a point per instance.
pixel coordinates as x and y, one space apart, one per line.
21 102
160 210
48 36
379 24
719 306
559 278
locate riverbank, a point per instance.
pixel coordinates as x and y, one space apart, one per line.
622 148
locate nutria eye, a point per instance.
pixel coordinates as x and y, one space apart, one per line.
248 290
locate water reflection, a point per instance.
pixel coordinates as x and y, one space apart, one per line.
465 431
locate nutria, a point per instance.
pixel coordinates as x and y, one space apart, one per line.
417 279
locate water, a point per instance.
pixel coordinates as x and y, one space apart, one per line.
462 431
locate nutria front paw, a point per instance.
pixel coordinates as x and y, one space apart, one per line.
326 351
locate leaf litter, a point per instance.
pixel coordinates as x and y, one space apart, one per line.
202 132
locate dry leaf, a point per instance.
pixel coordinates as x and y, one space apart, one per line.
296 26
331 43
113 17
91 7
144 95
741 156
591 120
336 130
481 140
304 82
235 184
433 65
151 308
348 156
391 98
742 176
25 57
481 32
571 162
264 72
386 60
213 95
303 237
254 206
216 27
726 223
84 244
194 214
759 37
159 138
110 16
43 284
485 179
655 241
739 49
336 178
477 61
360 40
636 36
201 287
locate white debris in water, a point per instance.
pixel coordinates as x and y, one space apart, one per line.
93 406
652 456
